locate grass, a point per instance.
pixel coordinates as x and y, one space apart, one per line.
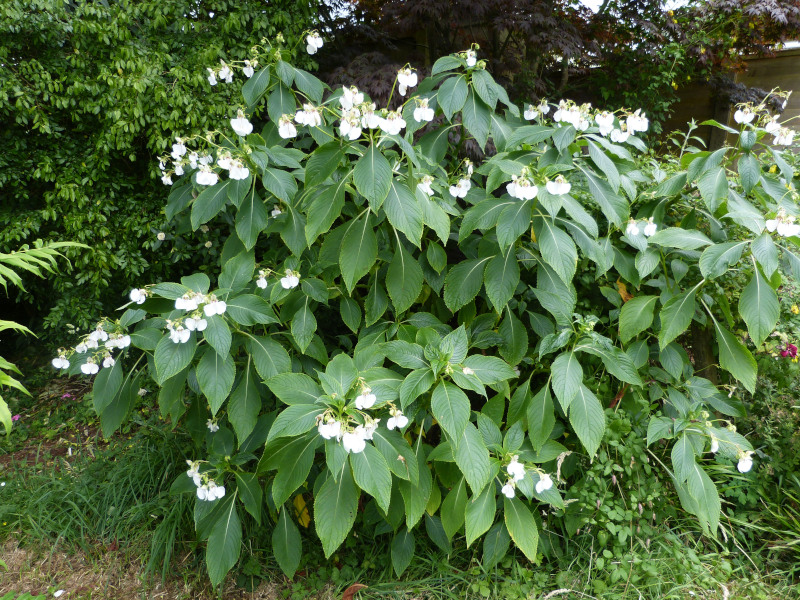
94 517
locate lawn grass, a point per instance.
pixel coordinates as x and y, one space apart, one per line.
94 517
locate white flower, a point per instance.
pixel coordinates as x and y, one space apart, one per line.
393 123
216 307
423 112
178 170
544 483
467 371
212 76
516 371
142 392
193 324
772 125
194 470
370 427
179 334
472 58
637 122
211 491
460 189
350 97
354 441
522 188
310 116
178 149
605 122
224 160
138 295
650 227
89 367
98 335
189 301
407 78
241 125
744 115
238 170
583 124
59 593
205 159
108 362
81 348
632 228
621 135
248 69
745 461
291 281
276 212
559 186
61 362
366 400
261 282
166 179
772 224
286 128
398 420
508 490
225 73
205 176
784 224
425 185
530 112
543 107
516 469
193 158
313 42
714 446
330 429
350 125
784 137
369 118
212 426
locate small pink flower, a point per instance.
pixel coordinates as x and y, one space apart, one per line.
15 418
66 396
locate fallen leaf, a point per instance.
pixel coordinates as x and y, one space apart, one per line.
352 591
623 290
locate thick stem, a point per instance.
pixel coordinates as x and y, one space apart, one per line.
705 363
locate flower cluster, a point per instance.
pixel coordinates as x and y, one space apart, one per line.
649 227
784 224
517 472
110 341
406 78
522 187
207 489
536 112
746 113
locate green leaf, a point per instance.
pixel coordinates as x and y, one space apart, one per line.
558 250
706 497
452 95
472 457
676 237
749 171
325 208
171 358
514 220
683 457
224 543
280 102
335 509
713 186
372 475
445 63
414 385
485 86
404 211
501 279
280 184
619 364
309 85
269 357
251 219
566 377
588 419
254 88
495 545
451 408
541 418
244 406
351 313
295 388
759 308
766 253
208 204
393 446
735 358
605 164
402 550
215 375
249 309
403 279
218 334
463 282
676 315
287 545
293 470
476 117
373 176
515 339
479 514
636 316
359 250
294 420
717 259
405 354
250 492
521 526
304 325
106 385
454 508
614 206
322 163
489 369
292 231
238 271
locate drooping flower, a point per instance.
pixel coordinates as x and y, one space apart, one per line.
286 128
406 78
423 113
605 122
138 295
166 179
193 324
225 73
393 123
632 228
178 149
238 171
224 159
559 186
772 125
329 428
714 446
194 472
108 361
291 281
369 118
313 42
89 367
212 76
784 137
744 115
472 58
261 282
366 399
545 483
460 189
179 334
522 188
350 97
650 227
212 425
530 112
61 362
354 441
516 469
215 307
189 301
621 135
248 69
784 224
350 125
745 461
637 122
425 184
205 176
241 125
398 420
508 490
310 115
276 212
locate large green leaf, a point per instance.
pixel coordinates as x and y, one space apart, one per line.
402 550
557 249
452 95
713 186
171 358
521 526
322 163
759 308
287 545
295 388
566 377
325 208
403 279
335 509
635 316
359 250
244 406
215 374
501 279
372 475
684 239
676 315
251 219
587 419
453 509
463 282
735 358
479 514
304 324
472 458
451 408
373 176
476 117
717 259
404 211
254 88
224 542
541 418
269 357
208 204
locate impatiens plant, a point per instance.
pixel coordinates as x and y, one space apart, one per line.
401 338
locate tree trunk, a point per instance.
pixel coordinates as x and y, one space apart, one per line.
705 363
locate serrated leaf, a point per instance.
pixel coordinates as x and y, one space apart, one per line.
403 279
636 316
566 378
735 358
463 282
759 308
359 250
373 176
335 509
372 475
521 527
451 408
588 419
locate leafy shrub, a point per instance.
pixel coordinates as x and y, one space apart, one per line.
425 346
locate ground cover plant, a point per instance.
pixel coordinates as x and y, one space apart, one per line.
405 341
